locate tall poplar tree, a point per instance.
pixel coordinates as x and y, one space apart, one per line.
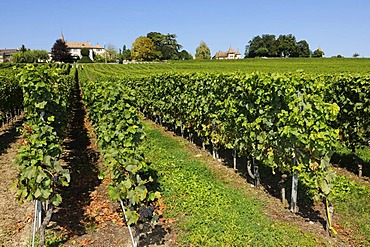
203 51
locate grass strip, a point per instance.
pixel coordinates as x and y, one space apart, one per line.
207 211
352 204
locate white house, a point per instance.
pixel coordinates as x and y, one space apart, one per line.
76 47
230 54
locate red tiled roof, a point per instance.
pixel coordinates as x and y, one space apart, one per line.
78 44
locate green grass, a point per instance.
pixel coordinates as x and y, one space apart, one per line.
352 204
207 211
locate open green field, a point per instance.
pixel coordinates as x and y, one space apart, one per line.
271 65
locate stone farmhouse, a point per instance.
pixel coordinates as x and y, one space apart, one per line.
229 54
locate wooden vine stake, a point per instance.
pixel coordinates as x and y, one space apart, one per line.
49 212
203 145
282 183
359 170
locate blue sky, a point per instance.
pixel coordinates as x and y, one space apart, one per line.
338 27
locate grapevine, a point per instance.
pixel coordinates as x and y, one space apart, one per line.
46 97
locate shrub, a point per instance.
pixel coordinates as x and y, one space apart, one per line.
85 59
85 52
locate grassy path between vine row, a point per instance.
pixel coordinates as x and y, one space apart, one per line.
15 218
208 204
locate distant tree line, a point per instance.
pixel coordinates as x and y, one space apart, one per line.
29 56
268 45
158 46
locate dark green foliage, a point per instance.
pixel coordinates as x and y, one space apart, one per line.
303 49
185 55
119 131
5 65
60 52
23 48
287 45
126 53
85 52
46 99
283 46
318 53
85 59
11 96
262 46
268 117
166 45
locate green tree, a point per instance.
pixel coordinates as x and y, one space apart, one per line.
85 52
303 49
166 45
287 45
23 49
318 53
41 55
262 52
185 55
60 52
253 46
126 53
98 58
203 51
21 57
356 55
143 49
262 46
28 56
283 46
